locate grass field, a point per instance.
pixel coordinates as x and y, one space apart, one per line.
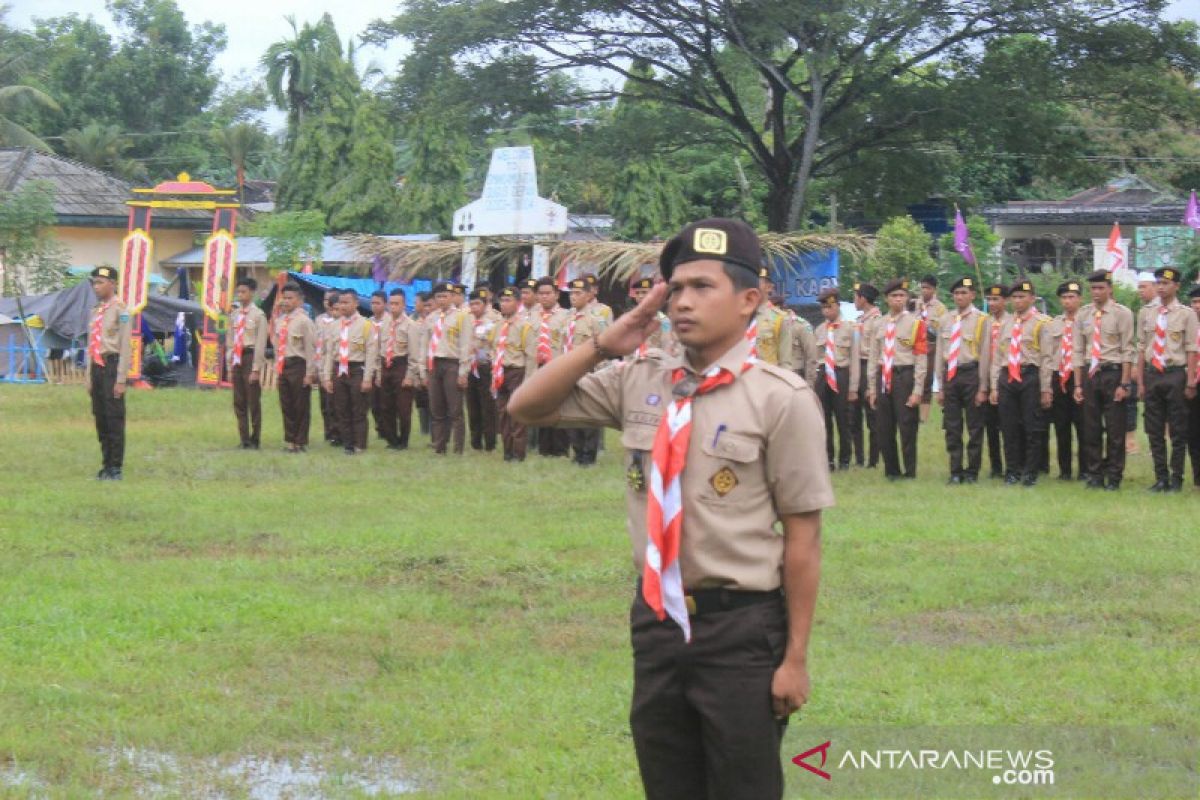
224 622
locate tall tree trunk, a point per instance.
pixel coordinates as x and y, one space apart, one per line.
808 151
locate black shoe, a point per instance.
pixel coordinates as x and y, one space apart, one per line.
873 465
954 480
1083 476
1012 479
1112 486
1176 485
1030 480
114 474
1065 476
1095 483
1160 485
348 451
102 475
335 443
893 478
255 446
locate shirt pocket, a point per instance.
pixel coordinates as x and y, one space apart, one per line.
729 465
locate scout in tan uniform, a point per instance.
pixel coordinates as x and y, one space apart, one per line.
601 310
447 335
897 374
774 339
381 321
1104 358
481 405
398 367
961 361
1166 370
548 321
721 448
661 339
838 373
246 353
862 416
348 371
108 358
1194 402
997 305
806 353
514 358
295 337
582 324
1066 414
1020 384
325 324
529 301
930 309
417 344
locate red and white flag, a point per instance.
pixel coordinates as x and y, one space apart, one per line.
1118 257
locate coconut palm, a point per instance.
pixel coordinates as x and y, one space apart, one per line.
103 147
293 66
14 98
240 143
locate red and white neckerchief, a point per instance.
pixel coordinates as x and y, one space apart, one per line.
831 356
1158 359
435 339
995 336
344 348
239 337
752 337
391 345
662 578
955 346
281 344
1094 365
1068 354
1014 348
569 342
545 350
498 361
97 333
889 354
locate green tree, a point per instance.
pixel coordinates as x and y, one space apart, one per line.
365 198
292 238
902 250
241 143
103 147
34 261
434 188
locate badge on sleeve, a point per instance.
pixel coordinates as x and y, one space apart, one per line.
724 481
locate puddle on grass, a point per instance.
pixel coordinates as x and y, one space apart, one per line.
261 777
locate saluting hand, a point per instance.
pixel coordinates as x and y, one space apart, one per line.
634 327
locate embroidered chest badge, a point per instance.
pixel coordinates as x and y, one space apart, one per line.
653 399
724 481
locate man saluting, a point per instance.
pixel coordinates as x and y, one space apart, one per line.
720 449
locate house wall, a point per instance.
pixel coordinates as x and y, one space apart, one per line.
94 246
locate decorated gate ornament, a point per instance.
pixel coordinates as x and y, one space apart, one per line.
220 259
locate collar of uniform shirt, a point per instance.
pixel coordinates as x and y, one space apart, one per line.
733 360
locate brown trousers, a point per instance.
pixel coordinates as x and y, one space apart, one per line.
247 400
512 433
350 404
481 409
1103 417
446 405
1068 418
701 715
1022 421
295 401
328 416
837 414
109 412
395 402
958 397
862 418
1166 406
893 414
1194 437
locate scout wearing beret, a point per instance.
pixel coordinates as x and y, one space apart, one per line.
447 334
108 358
661 339
481 403
1020 384
245 353
931 310
1065 413
295 338
381 321
836 375
348 371
997 306
514 358
399 363
962 356
582 324
549 321
423 306
1104 360
862 415
1194 403
325 323
897 374
773 334
709 605
1166 377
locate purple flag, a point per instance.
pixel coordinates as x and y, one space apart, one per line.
1191 217
962 242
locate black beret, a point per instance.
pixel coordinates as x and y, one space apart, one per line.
578 283
963 283
108 273
868 291
480 293
1194 293
828 297
444 286
1100 276
896 285
1068 286
929 280
1021 286
508 291
529 283
644 283
996 290
729 240
1170 273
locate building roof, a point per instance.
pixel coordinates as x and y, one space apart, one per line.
83 195
252 251
1127 199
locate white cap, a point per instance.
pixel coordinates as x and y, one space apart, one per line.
1146 277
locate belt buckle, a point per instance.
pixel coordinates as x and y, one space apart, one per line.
690 602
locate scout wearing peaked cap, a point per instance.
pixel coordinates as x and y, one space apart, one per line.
836 375
712 607
862 416
108 359
897 372
1065 413
961 361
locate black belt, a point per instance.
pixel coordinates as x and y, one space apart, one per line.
293 359
1152 370
445 358
972 365
904 368
713 601
1109 367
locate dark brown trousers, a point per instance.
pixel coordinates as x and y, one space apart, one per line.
991 425
837 414
109 412
512 433
446 405
395 402
862 417
1068 418
1194 437
893 414
958 412
247 400
1166 406
350 404
328 416
295 401
701 716
1022 421
1103 419
481 409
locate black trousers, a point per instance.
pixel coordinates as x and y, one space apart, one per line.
481 409
295 401
1022 421
512 433
446 405
586 444
329 418
837 414
553 442
701 716
109 412
350 404
1194 437
959 410
893 414
1103 425
247 400
1166 406
991 425
395 402
1068 418
862 416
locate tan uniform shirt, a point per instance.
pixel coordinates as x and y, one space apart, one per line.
806 354
254 336
1181 334
845 349
520 344
775 337
1058 329
481 335
577 328
975 330
864 332
301 341
1037 347
401 342
116 331
554 322
906 327
455 342
931 313
756 453
380 327
1116 335
994 351
363 347
602 311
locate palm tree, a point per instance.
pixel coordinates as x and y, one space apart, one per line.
240 143
293 66
14 98
103 147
